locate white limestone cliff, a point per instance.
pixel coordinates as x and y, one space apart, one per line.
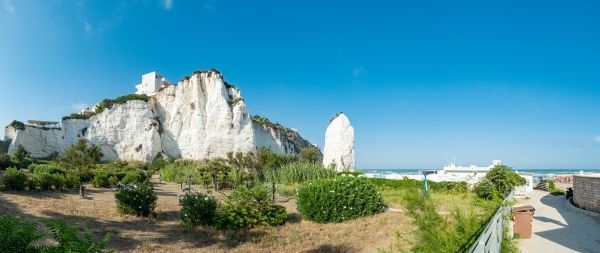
200 117
339 144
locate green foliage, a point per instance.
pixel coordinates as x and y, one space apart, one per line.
338 199
4 145
82 158
18 235
100 179
504 179
453 233
268 159
107 104
335 116
247 208
180 170
5 161
485 190
69 240
298 172
310 155
551 185
137 176
198 209
14 179
138 199
245 168
218 171
407 183
17 125
21 157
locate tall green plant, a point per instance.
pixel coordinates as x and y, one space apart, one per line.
18 235
504 179
298 172
82 157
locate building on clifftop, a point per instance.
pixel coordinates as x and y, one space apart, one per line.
151 84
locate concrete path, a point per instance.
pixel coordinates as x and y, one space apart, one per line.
556 228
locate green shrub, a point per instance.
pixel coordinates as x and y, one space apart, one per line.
14 179
338 199
485 190
100 179
21 157
69 240
113 180
72 180
247 208
18 235
138 199
136 176
268 159
47 181
17 125
310 155
404 183
504 179
5 162
198 209
82 158
298 172
46 168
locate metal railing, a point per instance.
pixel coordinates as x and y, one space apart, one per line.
491 237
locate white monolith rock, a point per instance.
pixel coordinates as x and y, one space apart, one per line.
339 144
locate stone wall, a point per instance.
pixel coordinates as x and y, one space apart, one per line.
586 191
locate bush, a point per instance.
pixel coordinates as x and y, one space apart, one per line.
21 157
47 181
136 176
485 190
82 158
138 199
247 208
14 179
72 180
5 161
338 199
100 179
298 172
18 235
198 209
504 179
179 171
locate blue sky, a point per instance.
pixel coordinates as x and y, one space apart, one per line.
421 81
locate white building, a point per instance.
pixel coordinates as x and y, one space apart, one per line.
151 84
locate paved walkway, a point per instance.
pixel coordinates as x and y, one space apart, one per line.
556 228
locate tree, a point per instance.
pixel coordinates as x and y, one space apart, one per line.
310 154
485 189
267 159
504 179
21 157
82 157
218 170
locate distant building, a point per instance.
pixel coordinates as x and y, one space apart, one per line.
41 123
151 84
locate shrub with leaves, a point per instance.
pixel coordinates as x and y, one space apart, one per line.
5 161
21 157
198 209
14 179
100 179
82 158
338 199
247 208
504 179
69 240
485 190
138 199
18 235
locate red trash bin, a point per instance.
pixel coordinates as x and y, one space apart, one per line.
522 217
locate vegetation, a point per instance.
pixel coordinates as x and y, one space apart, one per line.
504 179
338 199
19 235
5 161
298 172
108 104
335 116
21 157
137 199
198 209
14 179
82 158
268 159
17 125
310 155
247 208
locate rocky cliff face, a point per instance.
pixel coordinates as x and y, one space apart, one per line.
339 144
200 117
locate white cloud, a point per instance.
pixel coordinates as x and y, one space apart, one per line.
358 71
79 106
9 7
167 4
596 138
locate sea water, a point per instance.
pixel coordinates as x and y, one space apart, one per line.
382 173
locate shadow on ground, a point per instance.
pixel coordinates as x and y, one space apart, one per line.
581 233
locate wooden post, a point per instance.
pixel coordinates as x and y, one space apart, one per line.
273 190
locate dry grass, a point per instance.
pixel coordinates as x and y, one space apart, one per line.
163 233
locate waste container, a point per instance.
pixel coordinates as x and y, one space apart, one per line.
522 217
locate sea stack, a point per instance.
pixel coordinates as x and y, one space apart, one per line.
339 144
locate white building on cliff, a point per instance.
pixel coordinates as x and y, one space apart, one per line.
151 84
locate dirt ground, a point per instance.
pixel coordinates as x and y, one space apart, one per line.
163 233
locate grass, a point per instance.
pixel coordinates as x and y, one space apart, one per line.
298 172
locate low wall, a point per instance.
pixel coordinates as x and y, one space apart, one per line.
586 191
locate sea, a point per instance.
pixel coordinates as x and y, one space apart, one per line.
537 173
